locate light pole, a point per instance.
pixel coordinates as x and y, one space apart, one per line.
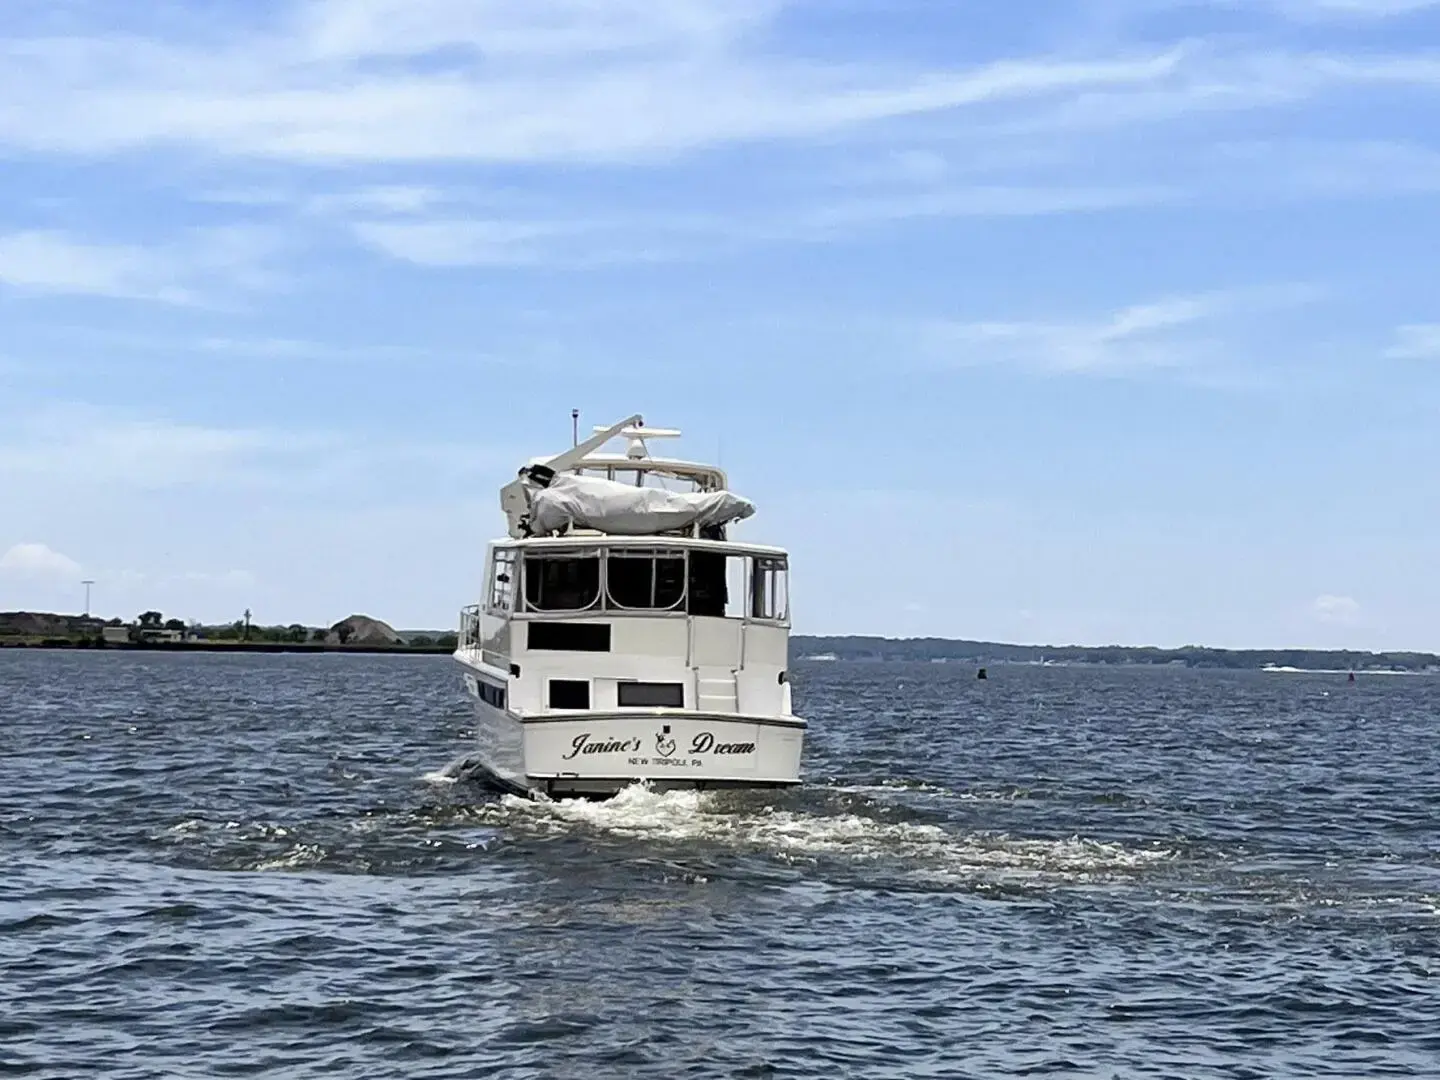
87 583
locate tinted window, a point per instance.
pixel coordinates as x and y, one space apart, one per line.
707 583
569 694
562 583
492 695
645 580
568 637
635 695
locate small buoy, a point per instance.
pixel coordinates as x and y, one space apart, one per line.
981 674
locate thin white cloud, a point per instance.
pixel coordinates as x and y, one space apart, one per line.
50 262
175 272
976 200
1168 333
460 242
84 446
445 80
89 446
1335 610
539 29
298 349
396 199
1349 9
468 243
1303 11
1296 168
1418 341
33 560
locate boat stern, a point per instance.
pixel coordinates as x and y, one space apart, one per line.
601 752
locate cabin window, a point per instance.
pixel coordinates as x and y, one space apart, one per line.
717 585
567 637
567 581
769 589
491 695
639 695
569 694
644 579
502 580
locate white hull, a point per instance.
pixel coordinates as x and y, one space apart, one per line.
599 752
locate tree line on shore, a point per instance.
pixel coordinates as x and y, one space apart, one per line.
1194 656
153 627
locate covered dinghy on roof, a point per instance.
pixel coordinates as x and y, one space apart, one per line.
592 502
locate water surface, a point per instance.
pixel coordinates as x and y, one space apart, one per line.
259 865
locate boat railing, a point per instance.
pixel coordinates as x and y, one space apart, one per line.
470 626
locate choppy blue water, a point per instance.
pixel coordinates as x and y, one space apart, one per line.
220 866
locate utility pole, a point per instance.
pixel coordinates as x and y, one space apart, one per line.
87 583
247 624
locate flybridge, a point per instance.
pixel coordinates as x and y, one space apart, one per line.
620 495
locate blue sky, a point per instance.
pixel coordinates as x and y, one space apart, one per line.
1090 321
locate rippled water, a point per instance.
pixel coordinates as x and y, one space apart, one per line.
259 865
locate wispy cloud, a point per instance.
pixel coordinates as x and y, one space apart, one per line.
1177 332
1419 341
49 262
448 242
176 272
417 84
85 446
299 349
93 446
1349 9
1335 610
551 80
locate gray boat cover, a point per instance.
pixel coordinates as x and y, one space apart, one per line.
608 506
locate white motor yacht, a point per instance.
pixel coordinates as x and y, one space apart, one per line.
624 636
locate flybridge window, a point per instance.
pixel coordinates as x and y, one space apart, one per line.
769 589
717 585
562 581
644 579
502 580
640 578
650 478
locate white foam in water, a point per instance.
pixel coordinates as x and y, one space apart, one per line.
927 851
298 857
457 768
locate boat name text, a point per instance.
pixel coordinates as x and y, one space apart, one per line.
704 742
585 743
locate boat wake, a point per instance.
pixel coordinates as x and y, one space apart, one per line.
831 834
856 836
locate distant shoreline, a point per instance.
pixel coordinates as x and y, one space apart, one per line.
803 648
981 653
224 646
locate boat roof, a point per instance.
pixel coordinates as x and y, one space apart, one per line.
602 540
